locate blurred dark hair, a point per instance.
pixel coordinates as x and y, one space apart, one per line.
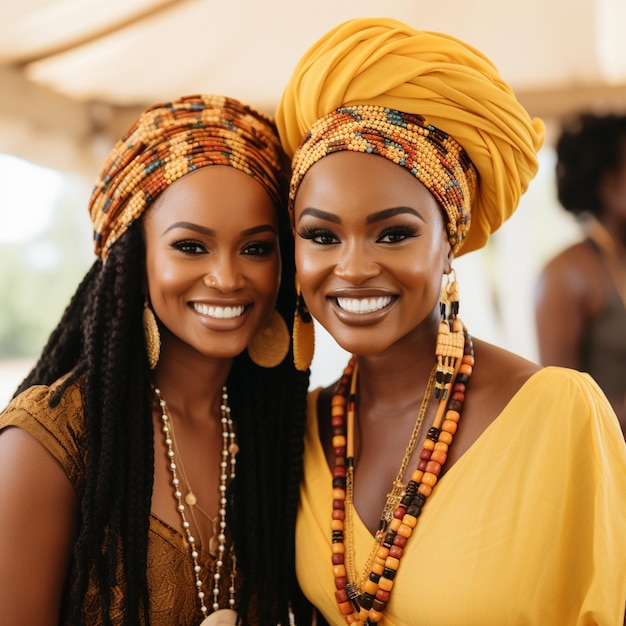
589 147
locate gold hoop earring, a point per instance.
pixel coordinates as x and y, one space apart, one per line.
270 345
151 334
450 337
303 333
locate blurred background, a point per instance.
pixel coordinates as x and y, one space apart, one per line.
75 73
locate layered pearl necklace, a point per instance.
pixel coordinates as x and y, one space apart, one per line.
228 460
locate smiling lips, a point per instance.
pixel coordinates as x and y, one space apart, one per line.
363 305
219 312
360 306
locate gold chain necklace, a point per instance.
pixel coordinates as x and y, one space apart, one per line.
397 490
228 458
192 500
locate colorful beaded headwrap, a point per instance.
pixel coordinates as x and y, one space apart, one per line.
173 139
428 153
383 62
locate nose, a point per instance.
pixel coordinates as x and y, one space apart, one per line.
225 275
356 264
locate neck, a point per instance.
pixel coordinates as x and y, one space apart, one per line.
191 386
398 376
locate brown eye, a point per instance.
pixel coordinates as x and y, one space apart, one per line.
396 234
189 246
259 248
320 236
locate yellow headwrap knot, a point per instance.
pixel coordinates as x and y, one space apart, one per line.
454 87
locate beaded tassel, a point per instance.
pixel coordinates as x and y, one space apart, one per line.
449 348
365 606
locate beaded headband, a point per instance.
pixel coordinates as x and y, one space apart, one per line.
429 154
173 139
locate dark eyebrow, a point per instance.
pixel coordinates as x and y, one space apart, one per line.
371 219
387 213
211 233
323 215
263 228
190 226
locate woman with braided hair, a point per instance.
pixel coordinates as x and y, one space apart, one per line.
446 481
150 459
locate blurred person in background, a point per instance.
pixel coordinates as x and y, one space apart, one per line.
581 292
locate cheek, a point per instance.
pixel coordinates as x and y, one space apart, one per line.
166 278
310 267
267 279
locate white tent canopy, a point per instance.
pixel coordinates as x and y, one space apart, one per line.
74 73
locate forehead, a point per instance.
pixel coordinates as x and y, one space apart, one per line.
348 182
215 192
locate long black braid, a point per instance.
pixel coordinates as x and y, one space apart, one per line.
269 408
100 342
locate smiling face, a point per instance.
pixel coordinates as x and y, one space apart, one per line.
371 250
212 261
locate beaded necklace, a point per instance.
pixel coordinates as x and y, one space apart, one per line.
398 488
363 604
228 458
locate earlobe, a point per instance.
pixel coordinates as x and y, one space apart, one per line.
449 261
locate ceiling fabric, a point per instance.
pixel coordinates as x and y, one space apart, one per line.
74 73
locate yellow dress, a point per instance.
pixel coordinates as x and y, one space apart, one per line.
171 581
528 527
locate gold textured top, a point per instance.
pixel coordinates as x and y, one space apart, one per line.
171 582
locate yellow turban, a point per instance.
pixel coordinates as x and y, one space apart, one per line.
383 62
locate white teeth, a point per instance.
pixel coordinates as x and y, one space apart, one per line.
219 312
363 305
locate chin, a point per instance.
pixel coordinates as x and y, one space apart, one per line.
361 344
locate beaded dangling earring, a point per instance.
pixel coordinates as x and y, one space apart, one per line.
450 337
151 333
270 345
303 333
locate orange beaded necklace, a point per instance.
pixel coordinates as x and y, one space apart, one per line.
363 604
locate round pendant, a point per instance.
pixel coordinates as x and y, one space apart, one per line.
190 498
223 617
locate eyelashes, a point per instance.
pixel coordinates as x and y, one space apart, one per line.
192 247
259 248
321 236
391 235
188 246
396 234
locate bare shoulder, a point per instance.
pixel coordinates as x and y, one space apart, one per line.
578 254
498 373
573 268
497 376
39 503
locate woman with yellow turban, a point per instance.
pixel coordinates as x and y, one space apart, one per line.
144 473
446 481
